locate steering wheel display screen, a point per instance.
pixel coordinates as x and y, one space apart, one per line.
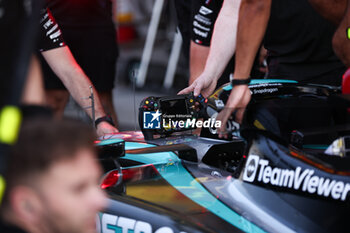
174 107
175 114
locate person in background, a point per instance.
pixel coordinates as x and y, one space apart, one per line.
337 12
303 52
183 10
203 17
52 179
89 31
206 26
58 56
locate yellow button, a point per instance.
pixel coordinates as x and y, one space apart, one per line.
2 187
10 121
147 102
191 100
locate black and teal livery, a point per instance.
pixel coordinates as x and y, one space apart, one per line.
276 178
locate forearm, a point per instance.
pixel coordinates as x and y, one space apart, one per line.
198 57
252 24
223 43
78 84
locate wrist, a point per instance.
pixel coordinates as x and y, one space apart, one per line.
235 81
105 118
211 73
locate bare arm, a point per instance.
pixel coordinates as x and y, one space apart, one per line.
253 19
222 48
223 43
198 56
78 84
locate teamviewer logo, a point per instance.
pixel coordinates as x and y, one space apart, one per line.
151 120
251 167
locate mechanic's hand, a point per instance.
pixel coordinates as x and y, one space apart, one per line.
238 100
104 129
204 85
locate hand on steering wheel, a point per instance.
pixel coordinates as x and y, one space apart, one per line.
204 85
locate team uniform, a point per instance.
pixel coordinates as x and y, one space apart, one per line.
183 10
18 27
298 40
204 15
196 20
299 44
50 35
89 32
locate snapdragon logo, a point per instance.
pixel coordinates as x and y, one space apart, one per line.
257 169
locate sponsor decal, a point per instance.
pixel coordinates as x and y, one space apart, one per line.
151 120
112 224
205 11
202 19
265 85
200 33
265 90
258 170
52 29
55 35
44 17
251 168
48 23
196 24
219 104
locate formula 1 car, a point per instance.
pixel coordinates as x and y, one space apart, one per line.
286 168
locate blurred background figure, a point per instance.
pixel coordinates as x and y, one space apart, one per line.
337 12
52 179
18 27
89 31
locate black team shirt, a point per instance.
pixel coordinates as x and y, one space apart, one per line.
80 13
299 41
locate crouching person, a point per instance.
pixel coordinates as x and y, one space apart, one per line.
52 180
